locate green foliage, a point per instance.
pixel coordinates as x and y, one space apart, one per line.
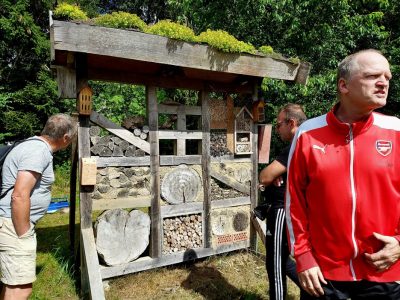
65 11
117 101
225 42
266 49
24 48
121 20
172 30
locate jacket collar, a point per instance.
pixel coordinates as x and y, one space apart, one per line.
358 127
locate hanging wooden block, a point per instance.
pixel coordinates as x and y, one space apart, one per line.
85 101
88 171
258 111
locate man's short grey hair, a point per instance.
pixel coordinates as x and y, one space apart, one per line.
349 64
58 125
294 112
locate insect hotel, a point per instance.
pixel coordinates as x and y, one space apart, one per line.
161 209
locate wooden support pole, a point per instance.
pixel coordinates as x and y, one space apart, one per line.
155 209
72 192
254 177
206 168
88 255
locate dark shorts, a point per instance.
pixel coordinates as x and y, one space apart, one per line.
342 290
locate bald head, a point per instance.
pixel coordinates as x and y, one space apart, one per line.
350 64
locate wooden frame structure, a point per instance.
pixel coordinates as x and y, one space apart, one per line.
81 52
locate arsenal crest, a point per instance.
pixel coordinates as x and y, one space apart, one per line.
383 147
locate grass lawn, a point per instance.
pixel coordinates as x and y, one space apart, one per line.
238 275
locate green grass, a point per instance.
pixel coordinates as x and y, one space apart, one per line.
237 275
56 278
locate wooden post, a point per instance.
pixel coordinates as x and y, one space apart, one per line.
155 209
90 281
206 168
254 177
181 126
230 124
72 192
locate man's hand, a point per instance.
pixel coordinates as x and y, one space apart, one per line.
278 181
387 256
310 281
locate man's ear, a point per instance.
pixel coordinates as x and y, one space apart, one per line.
342 86
292 123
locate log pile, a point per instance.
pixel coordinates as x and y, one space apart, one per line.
220 191
182 233
122 182
218 143
109 145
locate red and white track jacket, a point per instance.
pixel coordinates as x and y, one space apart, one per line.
343 185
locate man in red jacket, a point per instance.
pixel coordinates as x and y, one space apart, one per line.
343 196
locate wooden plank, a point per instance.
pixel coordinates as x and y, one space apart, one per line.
130 44
155 209
260 227
104 204
146 263
171 160
197 207
165 160
181 209
103 162
254 174
119 131
230 202
72 191
66 82
173 109
303 72
230 126
206 168
230 182
91 263
184 134
230 158
178 82
264 142
181 126
84 151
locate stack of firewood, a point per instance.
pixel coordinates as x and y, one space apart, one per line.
182 233
220 191
109 145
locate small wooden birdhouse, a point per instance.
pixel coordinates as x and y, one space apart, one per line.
243 132
258 111
84 103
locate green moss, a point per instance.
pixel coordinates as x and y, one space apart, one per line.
266 49
294 60
225 42
65 11
121 20
172 30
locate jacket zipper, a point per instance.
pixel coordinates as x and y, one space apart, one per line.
354 197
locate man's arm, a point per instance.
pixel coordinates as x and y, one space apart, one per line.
20 200
271 172
310 275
